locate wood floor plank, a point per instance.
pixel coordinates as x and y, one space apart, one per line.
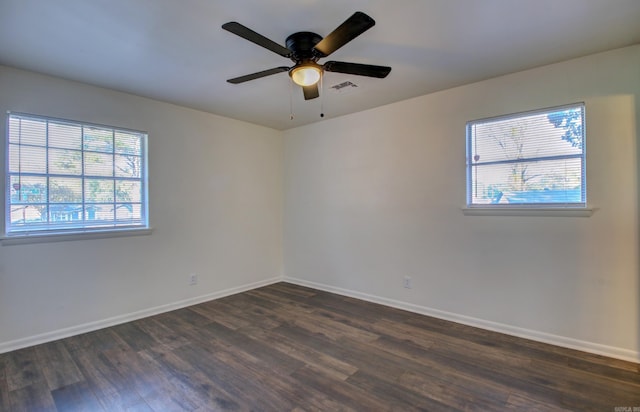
396 396
285 347
279 382
346 395
422 365
22 369
239 341
235 381
96 341
140 374
373 361
201 389
221 313
332 329
450 394
251 314
624 371
417 336
182 319
296 303
4 394
536 375
190 317
294 289
472 364
166 337
353 308
57 365
135 337
35 397
522 402
159 400
76 397
601 387
470 355
312 359
113 390
253 297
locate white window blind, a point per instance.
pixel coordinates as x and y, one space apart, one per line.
532 159
65 176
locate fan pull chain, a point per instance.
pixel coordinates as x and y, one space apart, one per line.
291 100
322 95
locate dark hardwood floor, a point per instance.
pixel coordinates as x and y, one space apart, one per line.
285 347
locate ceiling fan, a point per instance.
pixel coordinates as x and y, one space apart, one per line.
306 48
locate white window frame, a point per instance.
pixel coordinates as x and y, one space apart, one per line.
84 228
533 208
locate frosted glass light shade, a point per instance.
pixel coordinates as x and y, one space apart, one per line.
305 75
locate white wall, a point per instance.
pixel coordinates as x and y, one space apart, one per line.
367 199
215 203
375 196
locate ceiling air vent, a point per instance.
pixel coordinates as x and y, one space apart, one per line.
344 87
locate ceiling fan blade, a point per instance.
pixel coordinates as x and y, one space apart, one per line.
311 92
347 31
259 39
358 69
258 75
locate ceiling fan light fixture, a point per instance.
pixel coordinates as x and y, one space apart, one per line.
306 74
305 48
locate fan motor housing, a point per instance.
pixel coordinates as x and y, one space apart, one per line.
302 44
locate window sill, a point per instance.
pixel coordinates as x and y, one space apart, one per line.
524 211
69 236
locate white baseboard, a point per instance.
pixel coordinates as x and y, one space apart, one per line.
571 343
128 317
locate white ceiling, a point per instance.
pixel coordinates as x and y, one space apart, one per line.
176 51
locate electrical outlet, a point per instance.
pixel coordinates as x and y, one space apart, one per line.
193 279
407 282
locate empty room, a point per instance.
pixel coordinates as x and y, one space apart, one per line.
320 205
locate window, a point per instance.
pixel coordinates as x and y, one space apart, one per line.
532 159
63 176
